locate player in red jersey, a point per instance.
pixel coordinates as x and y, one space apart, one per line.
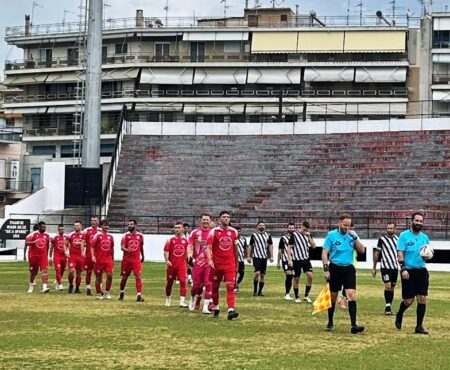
102 254
77 253
222 257
58 254
132 245
200 269
88 233
38 244
175 251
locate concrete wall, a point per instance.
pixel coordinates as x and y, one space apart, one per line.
286 128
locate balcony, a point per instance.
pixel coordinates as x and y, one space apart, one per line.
161 23
10 135
441 78
11 185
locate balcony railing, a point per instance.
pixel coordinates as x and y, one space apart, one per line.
10 134
12 185
209 22
216 92
441 78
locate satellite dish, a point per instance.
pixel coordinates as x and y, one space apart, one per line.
312 13
379 14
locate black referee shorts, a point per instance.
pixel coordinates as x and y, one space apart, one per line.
260 265
342 276
389 276
301 265
417 284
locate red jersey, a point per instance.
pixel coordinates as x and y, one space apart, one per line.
103 244
88 234
177 248
41 247
58 245
198 240
223 247
75 237
134 242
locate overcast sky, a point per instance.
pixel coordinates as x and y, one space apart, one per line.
53 11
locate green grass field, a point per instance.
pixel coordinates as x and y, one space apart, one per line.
63 331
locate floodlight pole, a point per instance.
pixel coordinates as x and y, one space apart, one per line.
92 116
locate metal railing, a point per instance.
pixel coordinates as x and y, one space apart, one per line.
12 185
437 227
108 188
11 134
210 22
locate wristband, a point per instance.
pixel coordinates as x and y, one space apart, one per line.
326 268
402 265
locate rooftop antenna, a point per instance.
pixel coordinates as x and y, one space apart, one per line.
105 5
225 8
35 5
409 14
313 17
258 4
166 10
360 5
276 3
348 12
64 17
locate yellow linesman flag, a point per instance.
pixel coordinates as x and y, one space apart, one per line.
323 300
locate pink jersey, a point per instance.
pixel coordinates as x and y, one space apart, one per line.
41 247
223 247
134 242
88 234
177 248
75 237
58 245
198 239
103 244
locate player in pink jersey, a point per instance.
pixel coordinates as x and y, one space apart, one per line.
132 245
200 268
58 253
222 257
77 253
102 254
38 244
175 252
88 233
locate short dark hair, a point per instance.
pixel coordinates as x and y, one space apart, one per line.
133 221
41 223
260 222
178 223
345 216
290 224
306 224
224 213
94 216
206 214
60 225
417 214
391 223
78 222
104 222
185 224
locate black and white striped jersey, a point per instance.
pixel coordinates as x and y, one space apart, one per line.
283 247
387 245
260 243
242 249
300 250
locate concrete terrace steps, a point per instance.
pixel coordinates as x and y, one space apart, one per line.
251 174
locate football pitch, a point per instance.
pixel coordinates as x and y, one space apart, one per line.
61 331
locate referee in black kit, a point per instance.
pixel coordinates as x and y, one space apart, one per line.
337 258
261 249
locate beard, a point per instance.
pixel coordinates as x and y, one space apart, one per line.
416 227
131 229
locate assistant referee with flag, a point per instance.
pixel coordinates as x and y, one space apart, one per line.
337 258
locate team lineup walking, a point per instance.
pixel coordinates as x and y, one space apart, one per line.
216 254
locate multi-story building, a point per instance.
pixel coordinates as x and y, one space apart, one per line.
269 65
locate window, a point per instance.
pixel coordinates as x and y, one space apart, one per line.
283 17
253 20
121 48
44 150
45 57
232 47
162 52
197 51
106 150
104 54
68 151
72 56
